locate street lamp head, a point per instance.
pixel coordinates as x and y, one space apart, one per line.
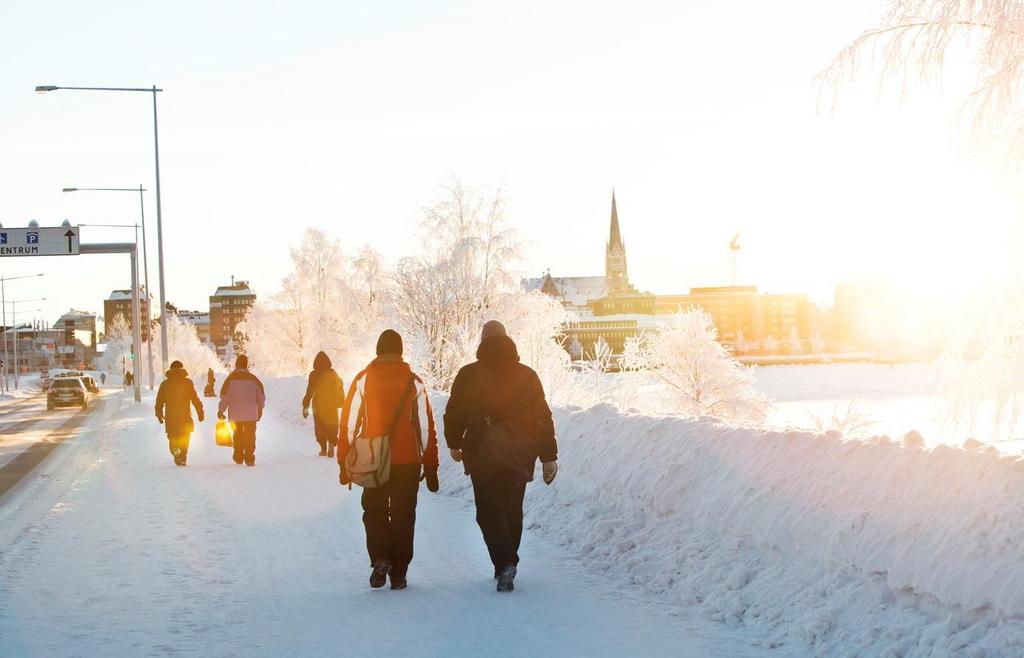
42 89
66 223
33 224
70 189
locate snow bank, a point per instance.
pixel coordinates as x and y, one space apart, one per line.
839 548
819 545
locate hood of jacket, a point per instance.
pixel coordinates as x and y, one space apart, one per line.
176 372
498 351
321 361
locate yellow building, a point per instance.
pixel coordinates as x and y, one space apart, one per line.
747 320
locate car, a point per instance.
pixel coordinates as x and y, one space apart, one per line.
90 384
67 392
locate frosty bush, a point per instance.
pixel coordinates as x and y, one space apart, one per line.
702 377
183 345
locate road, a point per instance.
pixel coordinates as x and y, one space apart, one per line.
29 433
134 556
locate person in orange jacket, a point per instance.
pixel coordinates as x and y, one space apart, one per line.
385 390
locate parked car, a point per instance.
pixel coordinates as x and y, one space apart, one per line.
90 384
68 392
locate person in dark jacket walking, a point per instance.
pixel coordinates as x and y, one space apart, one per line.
326 392
387 390
211 382
242 398
174 402
497 406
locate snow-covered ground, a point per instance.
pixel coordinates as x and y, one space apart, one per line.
112 550
661 536
895 399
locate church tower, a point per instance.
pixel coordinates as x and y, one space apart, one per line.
615 273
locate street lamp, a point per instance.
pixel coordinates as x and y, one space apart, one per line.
145 256
3 304
42 89
14 323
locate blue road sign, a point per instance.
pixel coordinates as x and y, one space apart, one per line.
3 238
32 237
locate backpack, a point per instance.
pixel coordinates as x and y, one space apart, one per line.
368 460
506 450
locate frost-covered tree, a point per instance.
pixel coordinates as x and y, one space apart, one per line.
325 303
117 356
703 378
917 40
982 371
183 345
443 294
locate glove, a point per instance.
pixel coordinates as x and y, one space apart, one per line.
201 416
220 415
305 412
430 475
160 419
550 471
456 454
342 477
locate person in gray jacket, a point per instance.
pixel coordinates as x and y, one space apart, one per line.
242 397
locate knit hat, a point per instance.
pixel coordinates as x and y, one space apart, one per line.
242 361
176 364
492 329
390 342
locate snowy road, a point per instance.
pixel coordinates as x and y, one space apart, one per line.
122 553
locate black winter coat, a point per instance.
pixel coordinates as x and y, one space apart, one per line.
325 390
173 401
499 387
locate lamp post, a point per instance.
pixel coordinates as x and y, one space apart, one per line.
145 257
3 304
42 89
14 324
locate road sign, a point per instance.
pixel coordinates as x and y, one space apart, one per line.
42 241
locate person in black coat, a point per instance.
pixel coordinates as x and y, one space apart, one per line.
326 392
497 402
174 400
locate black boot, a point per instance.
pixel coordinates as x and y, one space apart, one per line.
379 575
506 578
398 582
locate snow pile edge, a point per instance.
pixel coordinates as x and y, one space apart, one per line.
841 547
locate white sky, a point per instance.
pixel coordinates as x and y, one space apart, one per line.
346 116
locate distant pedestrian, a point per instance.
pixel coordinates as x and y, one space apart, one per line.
388 401
242 397
498 423
103 379
211 383
129 379
174 400
326 392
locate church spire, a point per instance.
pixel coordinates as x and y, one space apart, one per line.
614 236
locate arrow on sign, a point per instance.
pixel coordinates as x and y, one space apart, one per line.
69 235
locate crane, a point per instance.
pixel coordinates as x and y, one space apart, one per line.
734 250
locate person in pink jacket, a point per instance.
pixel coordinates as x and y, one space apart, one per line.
242 398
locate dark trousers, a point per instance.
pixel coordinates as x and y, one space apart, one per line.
326 432
178 444
389 515
244 441
499 513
